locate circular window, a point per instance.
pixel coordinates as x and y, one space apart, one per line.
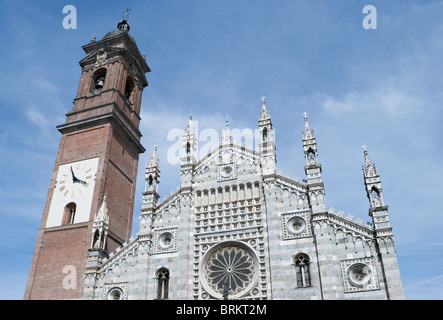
296 225
229 266
115 294
226 171
359 274
165 240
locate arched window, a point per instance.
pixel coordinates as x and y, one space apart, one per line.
69 213
163 283
98 81
375 196
311 156
129 89
265 133
303 277
96 240
115 294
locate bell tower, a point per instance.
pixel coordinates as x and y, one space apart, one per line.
96 163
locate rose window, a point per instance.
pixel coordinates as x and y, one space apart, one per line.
233 266
359 274
296 225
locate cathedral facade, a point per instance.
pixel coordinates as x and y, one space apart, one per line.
234 229
237 229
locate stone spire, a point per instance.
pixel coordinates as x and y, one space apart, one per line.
372 181
190 139
264 114
313 170
100 227
369 168
309 143
267 143
102 213
308 133
152 173
226 139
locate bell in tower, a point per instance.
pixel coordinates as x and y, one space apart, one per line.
100 83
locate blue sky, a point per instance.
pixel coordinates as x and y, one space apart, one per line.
381 88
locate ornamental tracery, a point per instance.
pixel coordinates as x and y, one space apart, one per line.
233 266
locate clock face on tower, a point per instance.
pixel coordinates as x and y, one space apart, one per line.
73 193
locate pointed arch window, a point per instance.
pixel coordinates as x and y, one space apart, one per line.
310 156
265 133
69 213
163 283
303 277
96 240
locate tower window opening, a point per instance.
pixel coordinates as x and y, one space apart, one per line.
129 89
265 133
96 241
69 213
375 196
188 148
311 156
98 81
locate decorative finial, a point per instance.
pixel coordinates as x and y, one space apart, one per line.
263 99
125 16
226 133
102 213
124 25
364 147
308 133
144 55
94 38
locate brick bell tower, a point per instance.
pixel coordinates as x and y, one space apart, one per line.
97 158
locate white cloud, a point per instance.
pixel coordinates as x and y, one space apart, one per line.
348 103
37 118
45 86
388 100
